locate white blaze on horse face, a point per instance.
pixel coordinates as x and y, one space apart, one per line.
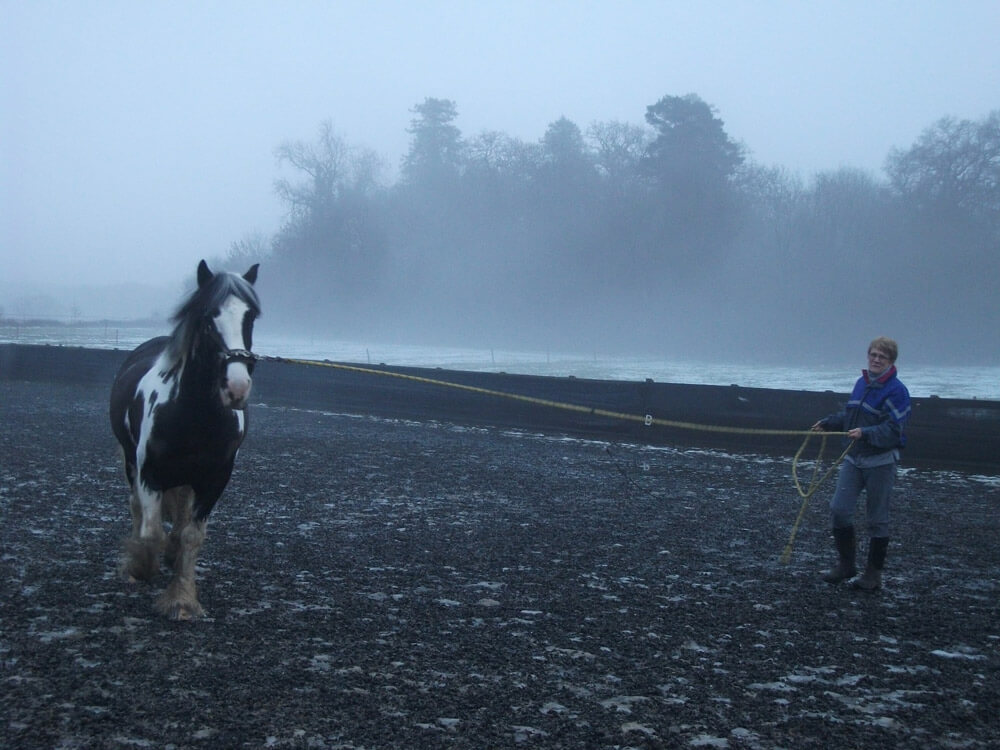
229 323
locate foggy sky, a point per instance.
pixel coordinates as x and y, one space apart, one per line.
137 138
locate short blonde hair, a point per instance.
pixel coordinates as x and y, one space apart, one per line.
885 345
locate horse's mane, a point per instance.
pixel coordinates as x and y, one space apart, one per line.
191 315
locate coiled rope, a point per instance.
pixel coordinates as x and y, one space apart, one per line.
648 420
814 482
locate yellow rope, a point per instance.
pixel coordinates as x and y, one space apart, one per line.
648 420
813 483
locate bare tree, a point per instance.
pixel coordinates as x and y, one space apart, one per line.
954 164
330 166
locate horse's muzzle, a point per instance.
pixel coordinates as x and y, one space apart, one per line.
236 385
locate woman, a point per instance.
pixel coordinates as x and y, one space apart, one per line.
874 419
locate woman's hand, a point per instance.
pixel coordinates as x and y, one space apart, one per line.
854 434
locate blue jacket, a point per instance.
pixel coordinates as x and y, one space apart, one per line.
881 408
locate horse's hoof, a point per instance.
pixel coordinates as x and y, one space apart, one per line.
130 577
179 611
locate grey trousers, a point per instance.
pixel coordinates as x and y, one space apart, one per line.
877 483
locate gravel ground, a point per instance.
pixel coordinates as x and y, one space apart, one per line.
372 583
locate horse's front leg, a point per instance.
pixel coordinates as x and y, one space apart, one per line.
177 510
192 504
143 547
180 600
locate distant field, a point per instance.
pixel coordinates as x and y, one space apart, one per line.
922 380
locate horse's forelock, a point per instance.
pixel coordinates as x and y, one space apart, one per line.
202 302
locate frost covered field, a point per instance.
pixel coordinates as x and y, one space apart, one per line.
382 584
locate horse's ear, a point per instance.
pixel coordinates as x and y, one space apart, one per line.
204 275
251 275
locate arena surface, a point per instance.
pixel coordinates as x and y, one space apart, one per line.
372 583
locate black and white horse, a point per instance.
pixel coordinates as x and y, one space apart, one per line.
178 408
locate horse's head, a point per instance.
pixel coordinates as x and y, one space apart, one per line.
230 327
219 320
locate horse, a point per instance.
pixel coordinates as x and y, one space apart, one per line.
179 411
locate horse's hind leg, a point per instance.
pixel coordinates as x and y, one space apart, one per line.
180 600
144 545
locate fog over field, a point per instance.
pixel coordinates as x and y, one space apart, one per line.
728 181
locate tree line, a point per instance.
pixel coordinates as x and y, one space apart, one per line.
663 237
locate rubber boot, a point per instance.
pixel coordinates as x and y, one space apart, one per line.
871 579
843 539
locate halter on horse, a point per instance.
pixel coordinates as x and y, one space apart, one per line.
178 409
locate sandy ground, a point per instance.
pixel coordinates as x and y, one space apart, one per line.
382 584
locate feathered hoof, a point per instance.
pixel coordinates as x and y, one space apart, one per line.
142 559
180 601
179 611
